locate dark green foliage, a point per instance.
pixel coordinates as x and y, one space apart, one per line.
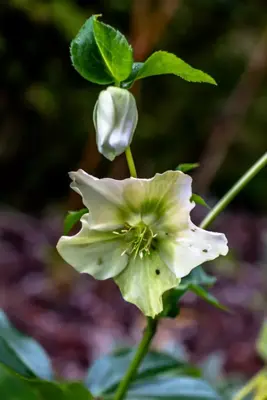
26 371
162 63
160 376
100 53
197 281
21 353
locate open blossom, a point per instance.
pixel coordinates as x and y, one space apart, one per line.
115 118
139 232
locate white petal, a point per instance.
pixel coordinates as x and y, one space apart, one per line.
126 116
115 117
103 198
163 201
144 281
191 248
94 252
104 116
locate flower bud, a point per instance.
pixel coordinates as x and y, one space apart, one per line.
115 117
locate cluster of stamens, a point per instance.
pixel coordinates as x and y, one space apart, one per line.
139 239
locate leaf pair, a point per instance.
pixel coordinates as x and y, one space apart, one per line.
102 55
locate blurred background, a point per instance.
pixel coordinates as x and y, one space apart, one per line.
46 130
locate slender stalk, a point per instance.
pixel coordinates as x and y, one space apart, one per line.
150 328
139 356
240 184
130 162
250 386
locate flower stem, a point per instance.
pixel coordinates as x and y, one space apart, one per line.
139 356
130 162
151 327
229 196
251 385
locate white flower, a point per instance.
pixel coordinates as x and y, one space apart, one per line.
115 118
139 232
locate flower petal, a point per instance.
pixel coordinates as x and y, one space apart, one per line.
94 252
103 198
163 201
191 248
144 281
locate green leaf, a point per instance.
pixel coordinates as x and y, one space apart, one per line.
100 53
21 353
107 372
199 200
76 390
9 358
72 218
186 167
261 343
133 75
197 277
115 50
171 299
14 388
162 62
61 391
209 298
172 388
194 282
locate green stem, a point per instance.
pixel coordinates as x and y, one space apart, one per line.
139 356
250 386
130 162
240 184
150 328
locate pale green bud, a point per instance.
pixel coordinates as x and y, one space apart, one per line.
115 117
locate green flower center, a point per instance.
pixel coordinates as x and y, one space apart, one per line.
139 238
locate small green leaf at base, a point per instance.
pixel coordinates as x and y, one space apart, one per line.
72 218
171 299
162 62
